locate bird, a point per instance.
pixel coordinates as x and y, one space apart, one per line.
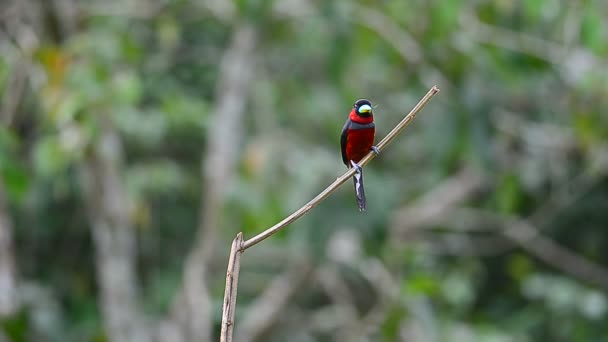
356 140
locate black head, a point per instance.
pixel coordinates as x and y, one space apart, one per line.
363 107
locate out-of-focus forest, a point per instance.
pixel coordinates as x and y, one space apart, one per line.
138 137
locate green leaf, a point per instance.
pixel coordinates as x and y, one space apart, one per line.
508 194
127 88
457 290
88 81
421 284
15 180
4 72
8 141
392 323
533 9
67 108
16 327
185 111
146 127
49 157
592 31
520 266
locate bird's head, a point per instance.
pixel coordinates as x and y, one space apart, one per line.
363 107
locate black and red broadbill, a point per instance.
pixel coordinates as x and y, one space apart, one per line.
356 141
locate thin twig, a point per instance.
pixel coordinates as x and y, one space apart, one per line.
232 285
347 175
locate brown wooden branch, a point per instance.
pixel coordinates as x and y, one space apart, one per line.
346 176
232 284
238 246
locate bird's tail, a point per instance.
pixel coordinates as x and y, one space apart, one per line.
359 191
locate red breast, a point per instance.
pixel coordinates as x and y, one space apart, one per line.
359 141
355 117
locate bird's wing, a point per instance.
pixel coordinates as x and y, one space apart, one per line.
343 137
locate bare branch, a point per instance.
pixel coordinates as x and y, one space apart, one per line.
525 235
232 285
346 176
529 238
232 276
439 207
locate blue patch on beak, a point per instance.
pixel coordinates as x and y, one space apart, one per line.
365 109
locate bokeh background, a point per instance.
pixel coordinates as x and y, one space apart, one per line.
138 137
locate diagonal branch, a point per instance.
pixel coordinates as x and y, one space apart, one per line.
238 247
562 258
524 234
347 175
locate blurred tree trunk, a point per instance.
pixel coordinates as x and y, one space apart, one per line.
192 307
114 239
8 282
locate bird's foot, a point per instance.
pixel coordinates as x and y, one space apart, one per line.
356 166
375 150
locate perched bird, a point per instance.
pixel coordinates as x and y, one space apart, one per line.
356 141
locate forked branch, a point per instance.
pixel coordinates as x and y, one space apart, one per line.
238 246
232 285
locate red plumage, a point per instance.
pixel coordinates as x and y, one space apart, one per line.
359 141
356 141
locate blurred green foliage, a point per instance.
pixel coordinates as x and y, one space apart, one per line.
523 103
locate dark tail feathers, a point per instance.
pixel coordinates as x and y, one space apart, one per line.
359 191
